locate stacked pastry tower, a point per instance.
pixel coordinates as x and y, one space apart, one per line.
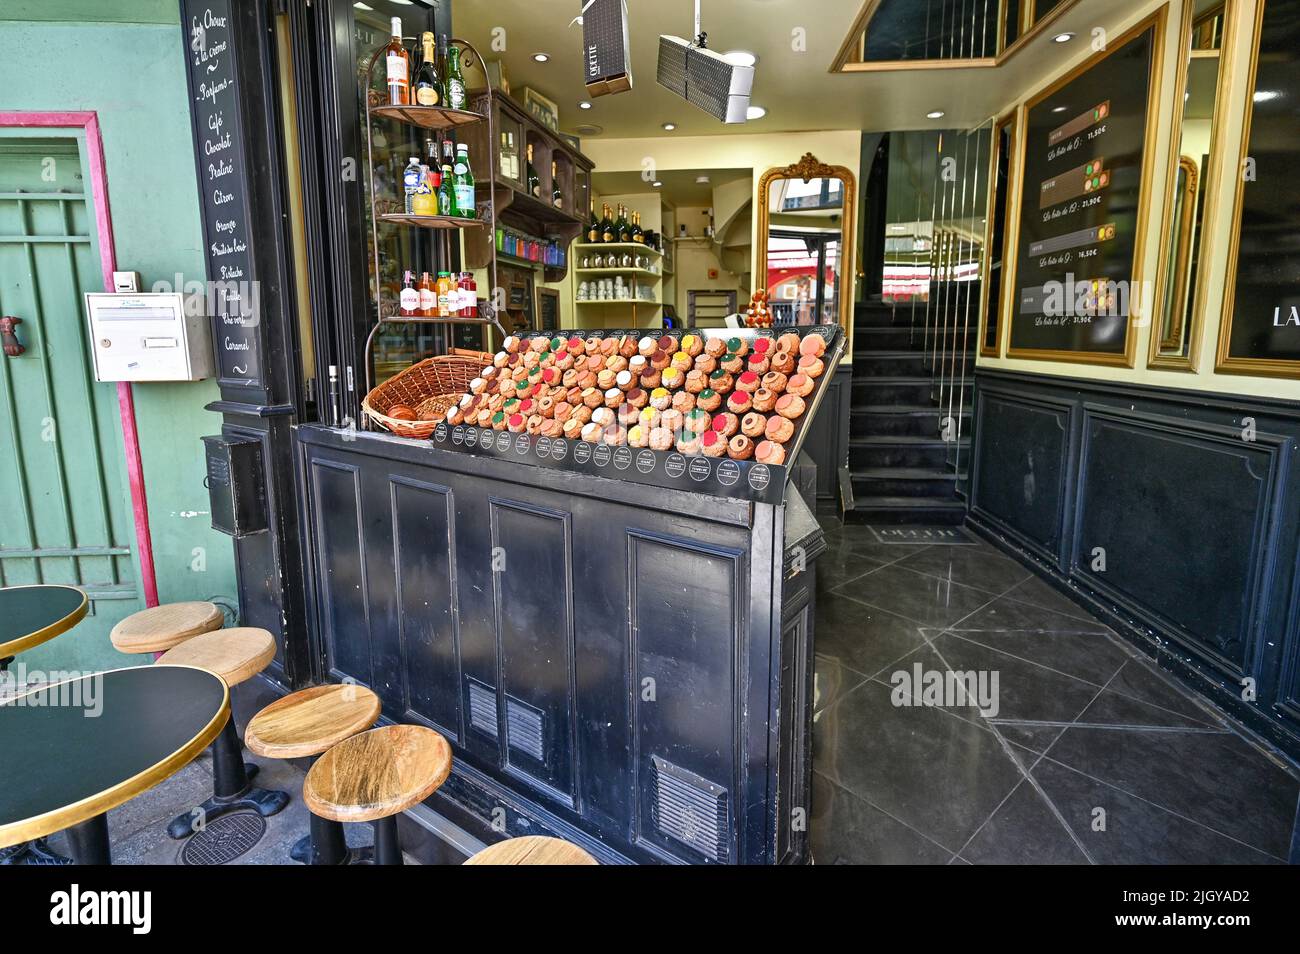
757 314
716 397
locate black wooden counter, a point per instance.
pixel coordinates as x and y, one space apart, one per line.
624 666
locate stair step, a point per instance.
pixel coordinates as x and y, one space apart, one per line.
917 482
884 420
903 453
910 389
907 510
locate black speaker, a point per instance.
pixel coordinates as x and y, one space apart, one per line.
607 57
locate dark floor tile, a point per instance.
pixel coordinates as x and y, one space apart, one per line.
861 637
1217 779
1037 592
915 596
1004 613
937 773
845 830
1034 738
843 563
1140 680
1135 831
1092 657
831 680
975 566
1023 831
1024 690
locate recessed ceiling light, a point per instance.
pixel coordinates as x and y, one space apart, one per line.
755 112
657 184
701 180
1264 95
740 58
363 6
584 105
1058 109
589 129
934 114
405 3
1063 38
669 127
541 57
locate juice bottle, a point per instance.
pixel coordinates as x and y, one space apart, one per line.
410 297
428 297
444 289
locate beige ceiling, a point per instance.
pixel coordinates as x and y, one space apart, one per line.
679 189
797 88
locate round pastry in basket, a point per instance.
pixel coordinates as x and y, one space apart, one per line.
424 393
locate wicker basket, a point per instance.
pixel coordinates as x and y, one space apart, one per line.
429 388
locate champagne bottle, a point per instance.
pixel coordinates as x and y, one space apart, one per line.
398 67
593 230
534 182
557 196
427 88
622 230
607 233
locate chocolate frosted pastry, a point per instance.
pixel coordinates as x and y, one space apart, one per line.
812 346
660 360
789 342
573 428
668 344
688 442
692 344
790 406
713 444
813 367
737 346
591 432
739 402
593 397
715 347
647 346
604 416
706 364
661 398
778 429
562 411
671 419
753 424
683 401
771 453
740 448
616 363
627 346
638 436
661 439
613 397
722 382
775 382
749 381
732 363
651 379
696 382
764 400
800 385
708 400
726 424
637 398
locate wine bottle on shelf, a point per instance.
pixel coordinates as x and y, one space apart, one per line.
456 96
638 235
427 87
464 183
398 68
557 196
622 230
593 230
607 233
534 181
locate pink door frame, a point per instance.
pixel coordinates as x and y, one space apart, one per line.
88 122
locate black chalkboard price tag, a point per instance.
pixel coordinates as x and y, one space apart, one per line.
233 294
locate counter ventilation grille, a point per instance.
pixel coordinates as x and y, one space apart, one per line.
524 729
482 708
690 809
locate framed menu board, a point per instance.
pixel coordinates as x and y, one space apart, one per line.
1086 140
1260 333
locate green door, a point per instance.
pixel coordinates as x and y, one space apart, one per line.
65 516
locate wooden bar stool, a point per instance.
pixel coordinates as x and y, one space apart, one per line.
235 655
159 628
303 725
375 776
532 850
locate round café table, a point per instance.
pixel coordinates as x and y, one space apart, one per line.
31 615
72 750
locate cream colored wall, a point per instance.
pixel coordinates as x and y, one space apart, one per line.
1218 231
695 256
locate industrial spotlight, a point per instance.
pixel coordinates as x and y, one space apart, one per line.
704 78
607 58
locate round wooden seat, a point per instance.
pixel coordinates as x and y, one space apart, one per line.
377 774
160 628
233 654
309 721
532 850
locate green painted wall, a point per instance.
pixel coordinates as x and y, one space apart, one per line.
132 75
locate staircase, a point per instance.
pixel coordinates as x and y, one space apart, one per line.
903 469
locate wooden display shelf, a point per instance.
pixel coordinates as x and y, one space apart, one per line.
428 117
616 301
432 221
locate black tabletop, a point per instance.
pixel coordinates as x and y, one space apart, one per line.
27 610
75 749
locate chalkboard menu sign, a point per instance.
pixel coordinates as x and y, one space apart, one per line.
1261 334
1085 141
233 298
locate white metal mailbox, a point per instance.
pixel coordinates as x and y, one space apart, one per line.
151 336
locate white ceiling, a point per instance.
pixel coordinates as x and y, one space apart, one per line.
797 88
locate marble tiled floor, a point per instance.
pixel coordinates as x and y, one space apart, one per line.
1093 756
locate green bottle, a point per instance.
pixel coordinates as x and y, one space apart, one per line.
446 193
463 183
456 97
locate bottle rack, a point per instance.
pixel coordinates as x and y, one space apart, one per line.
435 119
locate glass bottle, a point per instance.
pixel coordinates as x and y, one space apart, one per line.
557 196
593 230
398 67
638 235
463 183
427 88
428 296
607 232
534 181
622 231
410 296
456 96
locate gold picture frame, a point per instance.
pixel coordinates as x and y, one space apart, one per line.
1010 122
807 169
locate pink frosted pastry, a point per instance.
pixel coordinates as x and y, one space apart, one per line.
790 406
811 366
771 453
778 429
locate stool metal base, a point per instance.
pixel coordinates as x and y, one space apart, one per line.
329 853
32 853
232 791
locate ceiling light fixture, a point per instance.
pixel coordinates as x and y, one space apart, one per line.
935 114
657 184
1063 38
584 105
541 57
755 112
1058 109
703 78
740 58
669 127
1265 95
